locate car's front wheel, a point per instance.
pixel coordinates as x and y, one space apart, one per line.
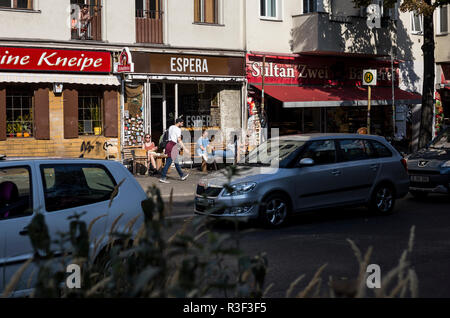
274 210
383 199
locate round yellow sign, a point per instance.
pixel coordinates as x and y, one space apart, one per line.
368 77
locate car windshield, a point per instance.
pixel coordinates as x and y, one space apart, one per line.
271 152
442 141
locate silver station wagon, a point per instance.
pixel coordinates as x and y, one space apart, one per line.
291 174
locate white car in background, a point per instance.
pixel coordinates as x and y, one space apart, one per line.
59 188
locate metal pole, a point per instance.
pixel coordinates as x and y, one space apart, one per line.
393 94
368 109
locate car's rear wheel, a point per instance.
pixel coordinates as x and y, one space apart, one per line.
274 210
419 194
383 199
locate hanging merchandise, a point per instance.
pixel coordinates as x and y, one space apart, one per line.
133 118
253 124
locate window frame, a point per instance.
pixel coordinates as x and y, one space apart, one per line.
439 20
91 94
31 199
308 9
12 90
278 11
81 165
14 6
202 15
413 24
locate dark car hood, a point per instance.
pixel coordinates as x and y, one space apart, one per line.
431 154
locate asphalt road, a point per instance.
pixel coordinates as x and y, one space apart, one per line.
320 237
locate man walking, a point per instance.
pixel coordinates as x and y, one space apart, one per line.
172 150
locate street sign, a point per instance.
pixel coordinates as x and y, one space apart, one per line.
370 77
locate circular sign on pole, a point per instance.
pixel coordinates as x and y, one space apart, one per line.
370 77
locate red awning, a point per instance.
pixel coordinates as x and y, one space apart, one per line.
303 96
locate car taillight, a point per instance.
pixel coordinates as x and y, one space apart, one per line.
405 164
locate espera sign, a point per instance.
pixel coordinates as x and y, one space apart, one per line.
51 60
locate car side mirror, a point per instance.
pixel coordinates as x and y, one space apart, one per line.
306 162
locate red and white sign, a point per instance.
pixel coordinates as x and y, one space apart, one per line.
312 70
50 60
125 64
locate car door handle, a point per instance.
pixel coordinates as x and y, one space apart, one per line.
24 232
336 172
374 167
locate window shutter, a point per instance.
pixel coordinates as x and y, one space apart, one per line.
197 11
110 113
41 115
2 113
210 11
70 113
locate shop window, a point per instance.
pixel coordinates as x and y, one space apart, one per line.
69 186
15 193
206 11
416 23
309 6
17 4
270 9
442 25
19 112
90 113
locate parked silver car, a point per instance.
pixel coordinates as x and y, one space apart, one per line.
59 188
307 172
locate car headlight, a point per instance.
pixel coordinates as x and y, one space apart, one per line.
446 164
239 189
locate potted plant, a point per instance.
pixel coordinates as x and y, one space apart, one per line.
10 130
18 129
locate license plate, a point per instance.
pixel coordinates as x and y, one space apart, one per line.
204 202
420 179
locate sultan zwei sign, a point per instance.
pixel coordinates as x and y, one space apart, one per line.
50 60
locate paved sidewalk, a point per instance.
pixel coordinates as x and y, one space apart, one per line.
182 190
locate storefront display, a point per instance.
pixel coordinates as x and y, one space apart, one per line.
312 94
205 90
57 102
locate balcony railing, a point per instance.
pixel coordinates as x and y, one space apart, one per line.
87 26
149 26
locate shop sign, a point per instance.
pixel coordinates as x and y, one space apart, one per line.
316 71
176 64
125 63
50 60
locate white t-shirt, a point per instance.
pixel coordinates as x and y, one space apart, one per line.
174 133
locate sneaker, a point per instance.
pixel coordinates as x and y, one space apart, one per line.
184 177
163 181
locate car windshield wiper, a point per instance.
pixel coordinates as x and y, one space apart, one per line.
258 163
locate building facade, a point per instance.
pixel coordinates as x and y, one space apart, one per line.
190 65
327 44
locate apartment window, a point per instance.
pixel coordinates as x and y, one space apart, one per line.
206 11
19 112
270 9
16 4
309 6
148 9
416 23
442 19
90 113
